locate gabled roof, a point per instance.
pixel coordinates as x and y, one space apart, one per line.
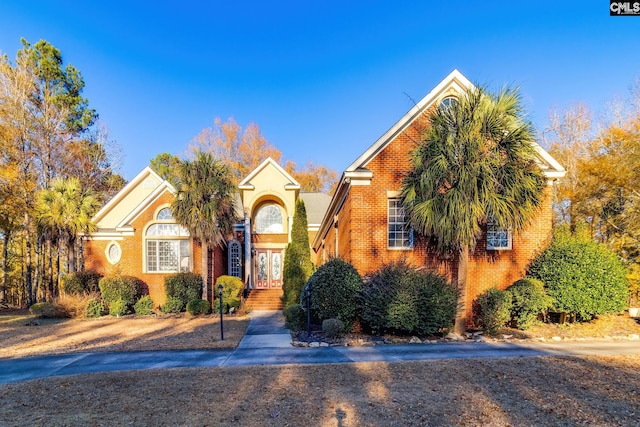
136 196
455 82
358 174
245 184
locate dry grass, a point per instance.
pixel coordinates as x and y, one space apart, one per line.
561 391
608 326
24 335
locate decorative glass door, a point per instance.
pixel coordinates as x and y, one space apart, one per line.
269 269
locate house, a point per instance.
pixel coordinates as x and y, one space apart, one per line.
137 235
365 223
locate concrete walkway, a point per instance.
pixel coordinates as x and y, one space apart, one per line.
267 342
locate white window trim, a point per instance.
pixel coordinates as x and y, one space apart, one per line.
107 252
490 242
389 223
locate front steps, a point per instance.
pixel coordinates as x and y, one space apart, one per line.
264 299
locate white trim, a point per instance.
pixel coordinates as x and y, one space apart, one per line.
245 184
164 186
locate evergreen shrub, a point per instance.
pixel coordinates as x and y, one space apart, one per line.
94 308
118 308
125 288
47 310
398 298
334 288
198 306
583 277
172 305
81 282
492 310
295 318
231 293
183 286
528 301
332 328
144 306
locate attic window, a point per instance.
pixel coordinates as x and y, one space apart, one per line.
448 101
165 214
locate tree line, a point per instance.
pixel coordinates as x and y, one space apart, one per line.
55 170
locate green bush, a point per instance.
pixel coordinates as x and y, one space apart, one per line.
295 318
332 328
125 288
198 306
172 305
528 301
94 308
144 306
583 277
47 310
492 310
184 286
231 293
334 288
81 282
398 298
118 308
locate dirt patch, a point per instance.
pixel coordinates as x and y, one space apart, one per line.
488 392
24 335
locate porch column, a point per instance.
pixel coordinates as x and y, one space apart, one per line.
248 262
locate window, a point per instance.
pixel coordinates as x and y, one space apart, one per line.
448 101
400 234
167 246
498 238
114 253
235 258
269 219
165 214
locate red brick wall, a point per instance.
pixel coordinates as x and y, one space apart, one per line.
363 240
132 260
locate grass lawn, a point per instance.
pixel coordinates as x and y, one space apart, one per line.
541 391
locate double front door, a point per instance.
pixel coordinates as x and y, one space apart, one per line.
269 264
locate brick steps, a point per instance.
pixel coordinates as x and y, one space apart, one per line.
265 299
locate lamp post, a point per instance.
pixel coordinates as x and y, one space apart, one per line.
221 326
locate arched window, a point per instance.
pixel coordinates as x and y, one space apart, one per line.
167 246
165 214
448 101
269 219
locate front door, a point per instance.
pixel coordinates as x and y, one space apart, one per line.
269 266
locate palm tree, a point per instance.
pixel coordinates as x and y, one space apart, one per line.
204 204
474 165
64 211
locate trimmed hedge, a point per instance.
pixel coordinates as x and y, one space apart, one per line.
398 298
334 288
492 310
183 286
231 293
198 306
528 301
583 277
126 288
81 282
332 328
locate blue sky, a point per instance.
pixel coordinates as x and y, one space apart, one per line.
322 79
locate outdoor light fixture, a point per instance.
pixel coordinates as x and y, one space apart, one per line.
221 327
